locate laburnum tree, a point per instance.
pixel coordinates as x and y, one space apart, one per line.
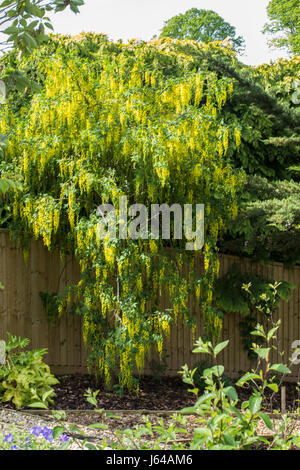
24 24
140 120
204 26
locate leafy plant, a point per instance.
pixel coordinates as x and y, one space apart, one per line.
198 376
249 294
222 422
223 425
25 379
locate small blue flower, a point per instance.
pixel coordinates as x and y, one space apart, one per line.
64 438
13 447
47 433
8 438
36 431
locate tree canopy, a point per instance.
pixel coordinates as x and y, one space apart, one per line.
203 26
284 24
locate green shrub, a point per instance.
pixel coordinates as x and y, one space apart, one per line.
25 379
267 226
199 380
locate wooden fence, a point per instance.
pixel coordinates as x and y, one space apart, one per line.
21 312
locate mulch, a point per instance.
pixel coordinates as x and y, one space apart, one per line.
168 393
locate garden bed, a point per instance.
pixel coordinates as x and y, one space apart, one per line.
168 393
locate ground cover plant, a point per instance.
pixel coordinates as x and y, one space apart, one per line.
35 438
25 380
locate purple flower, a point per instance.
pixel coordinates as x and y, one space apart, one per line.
8 438
36 431
14 447
64 438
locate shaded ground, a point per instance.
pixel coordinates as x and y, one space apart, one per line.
170 393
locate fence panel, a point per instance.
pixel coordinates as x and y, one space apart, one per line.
21 311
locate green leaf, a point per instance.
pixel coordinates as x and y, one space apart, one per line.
262 352
202 347
229 440
202 433
220 347
90 446
215 370
33 24
255 404
231 393
49 25
273 387
190 410
57 431
74 428
271 332
296 441
247 377
38 404
283 369
266 420
11 30
110 415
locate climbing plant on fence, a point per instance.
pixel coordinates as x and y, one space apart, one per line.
135 120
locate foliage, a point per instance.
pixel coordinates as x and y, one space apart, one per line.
26 21
249 294
202 25
232 298
279 78
25 379
139 120
26 24
263 108
198 376
221 422
52 304
284 16
222 425
268 223
262 117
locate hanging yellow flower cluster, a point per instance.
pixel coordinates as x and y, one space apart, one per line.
140 121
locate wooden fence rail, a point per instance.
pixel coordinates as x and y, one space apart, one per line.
21 312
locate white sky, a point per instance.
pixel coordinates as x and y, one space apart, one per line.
142 19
